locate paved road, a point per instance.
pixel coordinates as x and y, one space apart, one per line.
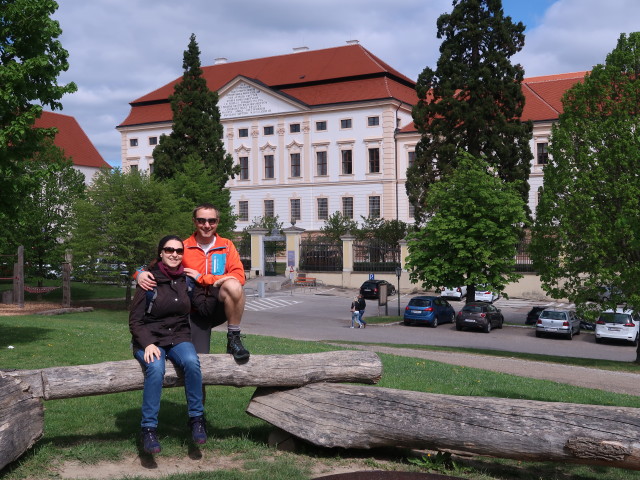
323 314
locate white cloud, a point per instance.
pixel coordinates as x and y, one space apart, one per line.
122 49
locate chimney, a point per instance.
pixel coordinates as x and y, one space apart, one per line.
300 49
353 42
220 61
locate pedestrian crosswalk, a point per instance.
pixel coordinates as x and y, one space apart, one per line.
521 302
260 304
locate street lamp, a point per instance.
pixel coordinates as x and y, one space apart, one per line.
398 273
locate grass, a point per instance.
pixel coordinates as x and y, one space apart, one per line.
105 428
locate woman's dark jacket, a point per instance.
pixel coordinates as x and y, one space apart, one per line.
167 322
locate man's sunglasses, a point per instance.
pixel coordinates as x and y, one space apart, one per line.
210 221
179 251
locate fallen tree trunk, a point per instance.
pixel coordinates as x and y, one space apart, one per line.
350 416
21 419
259 371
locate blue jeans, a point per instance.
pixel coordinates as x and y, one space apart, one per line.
355 318
184 356
361 316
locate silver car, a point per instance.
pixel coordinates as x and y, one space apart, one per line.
558 322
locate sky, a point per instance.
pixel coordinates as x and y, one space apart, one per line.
120 50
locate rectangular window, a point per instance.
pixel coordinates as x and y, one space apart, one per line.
151 168
243 132
346 123
133 142
411 159
243 211
294 128
412 210
295 165
269 210
295 209
244 168
321 126
268 167
268 130
133 168
373 121
321 163
153 140
374 160
543 154
347 162
374 207
323 208
347 207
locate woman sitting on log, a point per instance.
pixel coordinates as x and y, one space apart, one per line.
159 325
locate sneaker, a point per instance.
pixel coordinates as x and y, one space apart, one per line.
352 326
198 430
235 347
150 443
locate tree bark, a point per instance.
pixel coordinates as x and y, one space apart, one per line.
259 371
350 416
21 419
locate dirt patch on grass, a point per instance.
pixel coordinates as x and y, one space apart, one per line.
159 467
29 308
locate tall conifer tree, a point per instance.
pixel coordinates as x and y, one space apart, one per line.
472 102
196 126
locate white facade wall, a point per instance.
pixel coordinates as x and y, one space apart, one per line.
244 105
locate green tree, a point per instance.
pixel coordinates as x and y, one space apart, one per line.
389 231
122 219
472 237
192 186
31 58
338 225
472 102
45 214
587 228
196 131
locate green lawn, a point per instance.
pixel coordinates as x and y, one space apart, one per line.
105 428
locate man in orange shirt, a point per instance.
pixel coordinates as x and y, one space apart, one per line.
215 264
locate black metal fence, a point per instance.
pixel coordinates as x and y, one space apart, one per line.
243 245
320 255
372 255
523 259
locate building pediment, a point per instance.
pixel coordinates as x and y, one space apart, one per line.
243 97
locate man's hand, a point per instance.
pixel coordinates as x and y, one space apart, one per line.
150 352
146 281
221 280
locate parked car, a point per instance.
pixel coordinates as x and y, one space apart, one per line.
533 314
479 315
619 325
485 293
371 288
454 292
429 311
584 325
558 322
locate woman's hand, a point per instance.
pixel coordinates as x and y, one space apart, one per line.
150 352
191 272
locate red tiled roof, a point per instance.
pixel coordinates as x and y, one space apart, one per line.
318 77
72 139
543 97
339 75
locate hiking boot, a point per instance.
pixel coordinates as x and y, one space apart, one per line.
235 347
198 430
150 443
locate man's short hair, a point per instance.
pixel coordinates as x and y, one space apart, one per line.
206 206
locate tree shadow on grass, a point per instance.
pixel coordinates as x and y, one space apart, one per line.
12 335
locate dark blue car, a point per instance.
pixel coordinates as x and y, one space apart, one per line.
428 311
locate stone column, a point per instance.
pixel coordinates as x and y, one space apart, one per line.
257 250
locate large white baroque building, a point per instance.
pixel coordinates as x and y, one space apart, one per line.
316 132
